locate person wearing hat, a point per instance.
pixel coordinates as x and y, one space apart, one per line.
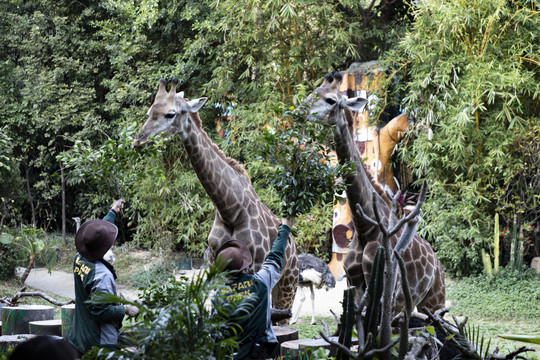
96 324
256 338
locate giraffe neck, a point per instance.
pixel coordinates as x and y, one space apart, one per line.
225 181
360 184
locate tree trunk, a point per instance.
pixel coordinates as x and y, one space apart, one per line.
29 190
16 319
28 269
63 182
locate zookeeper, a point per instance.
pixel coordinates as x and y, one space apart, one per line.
96 324
256 339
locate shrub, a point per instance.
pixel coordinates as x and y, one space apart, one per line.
157 273
8 256
175 321
500 297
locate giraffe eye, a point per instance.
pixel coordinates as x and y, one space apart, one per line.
170 115
330 101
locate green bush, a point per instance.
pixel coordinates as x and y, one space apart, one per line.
8 256
175 321
500 297
471 85
159 273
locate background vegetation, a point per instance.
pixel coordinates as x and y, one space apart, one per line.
76 79
495 306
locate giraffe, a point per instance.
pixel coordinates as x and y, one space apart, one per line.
240 214
424 271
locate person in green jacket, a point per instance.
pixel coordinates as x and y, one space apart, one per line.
96 324
256 339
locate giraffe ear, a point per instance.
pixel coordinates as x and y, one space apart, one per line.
180 94
195 105
355 104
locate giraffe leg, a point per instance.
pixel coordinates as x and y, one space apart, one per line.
302 298
313 322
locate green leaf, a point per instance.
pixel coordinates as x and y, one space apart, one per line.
534 339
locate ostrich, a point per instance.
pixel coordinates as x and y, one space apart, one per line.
109 255
313 272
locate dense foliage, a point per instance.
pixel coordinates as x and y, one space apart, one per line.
76 76
500 298
176 322
470 78
76 80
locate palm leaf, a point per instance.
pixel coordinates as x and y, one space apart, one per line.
534 339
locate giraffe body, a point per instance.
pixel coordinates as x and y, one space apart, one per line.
240 214
424 271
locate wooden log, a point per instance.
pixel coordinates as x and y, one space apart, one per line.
278 315
66 313
298 349
45 327
285 333
303 348
11 341
15 319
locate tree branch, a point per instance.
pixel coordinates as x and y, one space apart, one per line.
13 300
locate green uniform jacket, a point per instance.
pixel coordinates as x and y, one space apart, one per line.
257 326
95 324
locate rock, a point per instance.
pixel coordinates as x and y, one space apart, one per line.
535 264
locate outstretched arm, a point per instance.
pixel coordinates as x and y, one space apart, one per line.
277 253
116 207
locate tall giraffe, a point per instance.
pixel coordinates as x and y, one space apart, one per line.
240 214
424 271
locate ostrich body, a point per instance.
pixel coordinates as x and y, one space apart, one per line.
313 273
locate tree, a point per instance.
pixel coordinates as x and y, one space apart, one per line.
10 194
471 78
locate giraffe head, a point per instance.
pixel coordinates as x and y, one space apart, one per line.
326 102
169 114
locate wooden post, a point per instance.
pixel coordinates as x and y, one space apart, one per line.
285 333
45 327
15 320
303 348
67 312
12 341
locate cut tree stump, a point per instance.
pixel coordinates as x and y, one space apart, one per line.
11 341
45 327
303 348
67 312
298 349
15 319
285 333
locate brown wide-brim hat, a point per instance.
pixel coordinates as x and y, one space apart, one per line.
95 238
234 255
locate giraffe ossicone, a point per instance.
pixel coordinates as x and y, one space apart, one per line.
240 214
